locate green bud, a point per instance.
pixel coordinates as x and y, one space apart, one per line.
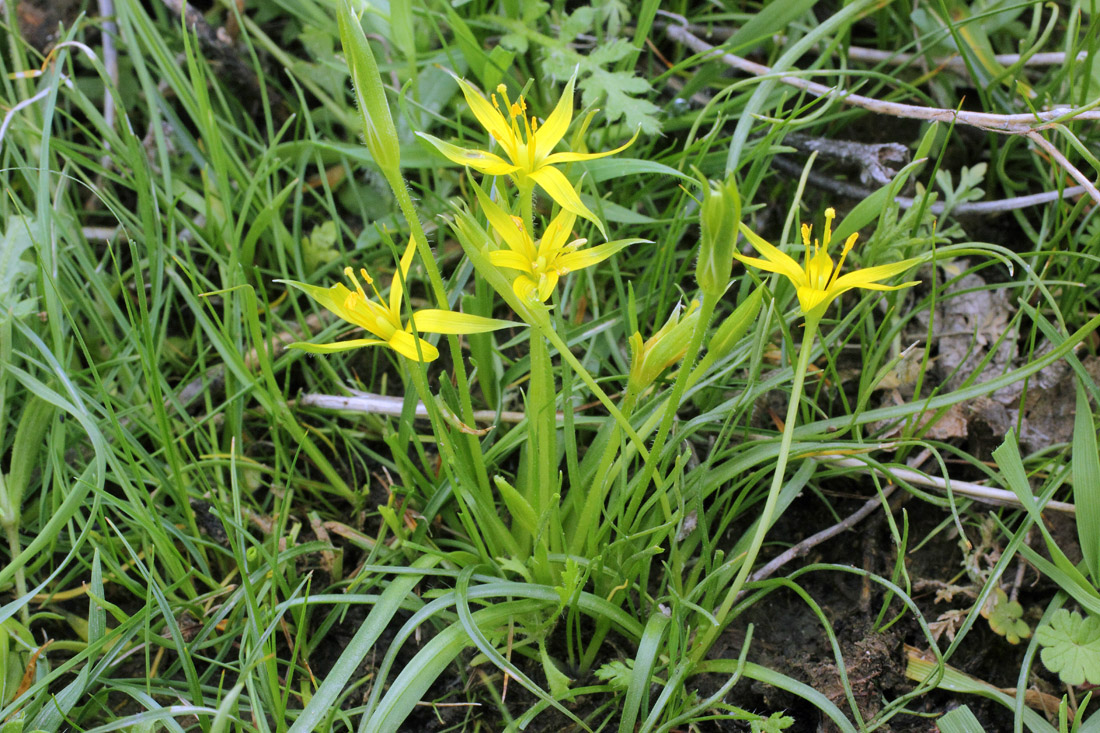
663 349
719 216
374 108
735 326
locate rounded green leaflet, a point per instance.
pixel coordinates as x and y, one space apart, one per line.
1071 647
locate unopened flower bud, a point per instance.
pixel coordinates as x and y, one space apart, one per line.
374 108
736 325
719 216
663 349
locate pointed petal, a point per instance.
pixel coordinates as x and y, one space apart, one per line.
525 288
479 160
335 346
404 343
407 255
819 269
556 235
375 317
504 225
781 262
557 158
432 320
899 286
561 190
553 129
547 285
581 259
491 119
512 260
331 298
868 275
397 290
769 266
811 298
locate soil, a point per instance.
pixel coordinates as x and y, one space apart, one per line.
789 638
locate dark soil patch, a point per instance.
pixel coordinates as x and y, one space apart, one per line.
788 637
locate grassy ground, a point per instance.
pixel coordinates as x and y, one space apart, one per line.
592 511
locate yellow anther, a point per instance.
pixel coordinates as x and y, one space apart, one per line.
350 274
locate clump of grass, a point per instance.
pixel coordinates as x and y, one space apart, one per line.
190 545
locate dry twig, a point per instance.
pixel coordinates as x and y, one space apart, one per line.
966 208
955 62
977 492
377 404
1029 124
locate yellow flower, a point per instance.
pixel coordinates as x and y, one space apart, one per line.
384 320
541 265
527 144
817 283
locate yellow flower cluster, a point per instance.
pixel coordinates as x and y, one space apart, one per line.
385 320
537 265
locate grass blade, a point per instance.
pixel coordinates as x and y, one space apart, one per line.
1086 483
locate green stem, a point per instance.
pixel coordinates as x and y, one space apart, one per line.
476 513
765 520
594 499
491 525
14 547
543 324
527 206
671 407
541 447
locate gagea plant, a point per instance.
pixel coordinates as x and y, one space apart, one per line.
552 525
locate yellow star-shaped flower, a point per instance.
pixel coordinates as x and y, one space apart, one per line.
527 144
817 282
384 320
541 265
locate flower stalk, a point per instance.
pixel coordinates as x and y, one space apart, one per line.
765 519
817 283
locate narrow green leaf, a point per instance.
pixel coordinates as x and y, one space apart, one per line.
97 616
33 423
401 25
430 662
1007 457
13 268
955 681
226 708
1086 483
521 509
319 707
636 704
959 720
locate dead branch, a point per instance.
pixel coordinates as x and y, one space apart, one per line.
1013 124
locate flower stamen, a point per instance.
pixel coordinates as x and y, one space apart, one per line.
816 280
